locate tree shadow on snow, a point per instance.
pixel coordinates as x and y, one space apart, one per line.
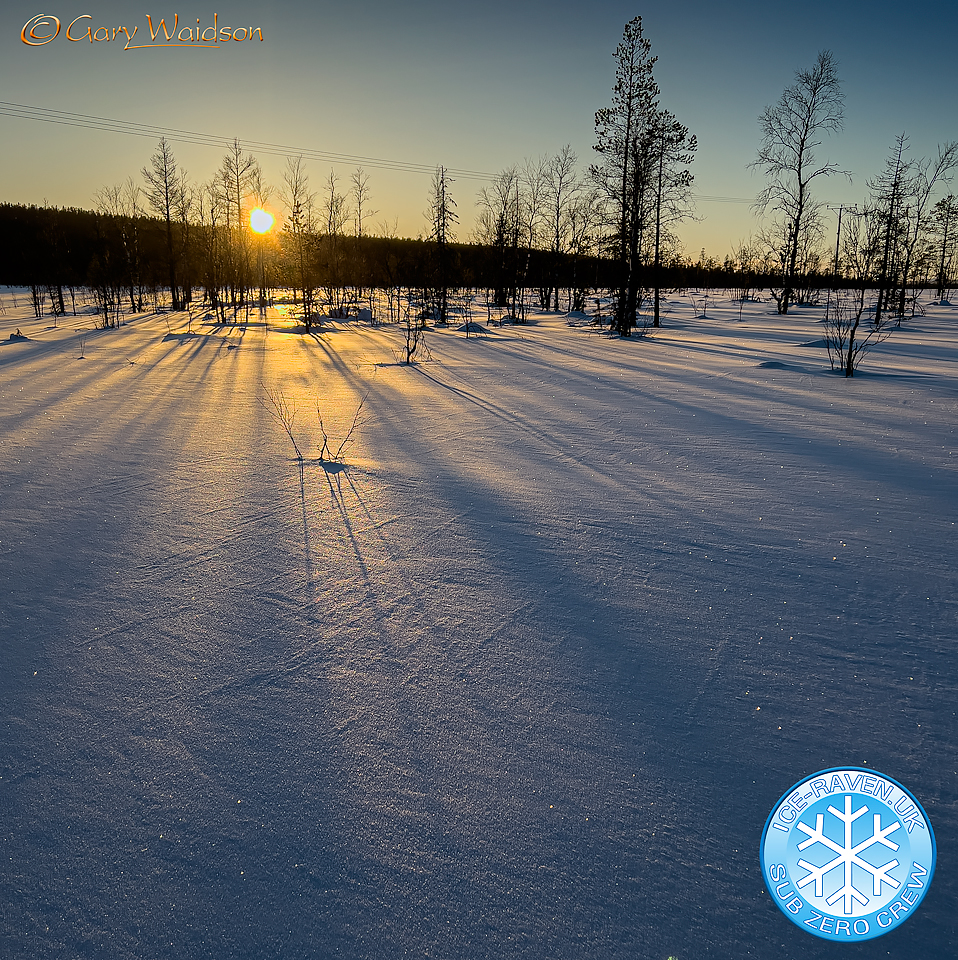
185 336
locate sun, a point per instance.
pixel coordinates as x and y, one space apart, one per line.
260 220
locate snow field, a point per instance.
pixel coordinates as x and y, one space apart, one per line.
523 676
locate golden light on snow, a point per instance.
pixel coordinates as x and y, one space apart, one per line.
260 220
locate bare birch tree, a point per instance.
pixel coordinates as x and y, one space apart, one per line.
562 185
792 131
361 199
499 227
238 173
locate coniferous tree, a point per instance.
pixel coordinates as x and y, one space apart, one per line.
622 140
442 218
945 231
164 192
643 176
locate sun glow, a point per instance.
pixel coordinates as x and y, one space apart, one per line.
260 220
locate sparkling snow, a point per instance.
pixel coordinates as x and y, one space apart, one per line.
522 677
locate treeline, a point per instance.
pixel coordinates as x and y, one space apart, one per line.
54 249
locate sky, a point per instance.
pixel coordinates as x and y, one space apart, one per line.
475 87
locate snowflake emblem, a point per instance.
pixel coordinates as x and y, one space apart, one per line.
848 856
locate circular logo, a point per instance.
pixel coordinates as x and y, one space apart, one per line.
848 854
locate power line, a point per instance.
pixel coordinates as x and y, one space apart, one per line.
128 128
708 199
135 129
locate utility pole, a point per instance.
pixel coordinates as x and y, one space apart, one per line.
838 236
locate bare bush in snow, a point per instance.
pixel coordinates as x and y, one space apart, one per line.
326 452
283 412
846 340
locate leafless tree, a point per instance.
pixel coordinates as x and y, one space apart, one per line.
334 216
362 212
847 340
335 210
672 150
903 194
238 174
283 412
562 186
792 131
745 262
122 203
532 197
187 211
361 199
499 226
211 210
584 222
261 193
414 337
326 452
299 236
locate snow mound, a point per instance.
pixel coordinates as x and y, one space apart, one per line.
471 327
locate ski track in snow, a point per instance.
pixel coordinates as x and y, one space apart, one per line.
523 677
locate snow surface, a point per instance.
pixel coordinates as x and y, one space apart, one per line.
522 677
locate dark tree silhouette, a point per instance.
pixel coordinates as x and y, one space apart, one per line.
442 217
622 140
164 192
792 130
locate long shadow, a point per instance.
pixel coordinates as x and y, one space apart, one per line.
333 474
765 434
165 659
638 680
644 695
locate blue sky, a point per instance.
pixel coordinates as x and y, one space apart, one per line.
471 86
